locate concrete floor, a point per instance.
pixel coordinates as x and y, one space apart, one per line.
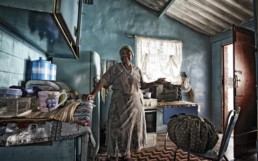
230 154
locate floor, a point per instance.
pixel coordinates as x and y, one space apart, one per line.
230 154
160 144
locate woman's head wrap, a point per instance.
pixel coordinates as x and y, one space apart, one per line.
127 47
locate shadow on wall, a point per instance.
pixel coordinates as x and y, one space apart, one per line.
27 72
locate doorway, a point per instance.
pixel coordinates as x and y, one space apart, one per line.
228 77
239 89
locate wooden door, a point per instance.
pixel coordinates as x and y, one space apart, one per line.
245 90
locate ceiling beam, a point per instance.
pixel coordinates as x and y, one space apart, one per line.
198 15
215 11
241 7
190 25
194 21
165 8
202 13
225 7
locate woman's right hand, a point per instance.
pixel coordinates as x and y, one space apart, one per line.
88 97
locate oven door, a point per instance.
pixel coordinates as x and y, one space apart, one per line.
151 120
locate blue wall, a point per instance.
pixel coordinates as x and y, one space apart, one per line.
106 25
15 55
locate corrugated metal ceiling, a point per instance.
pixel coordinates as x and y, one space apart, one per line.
209 17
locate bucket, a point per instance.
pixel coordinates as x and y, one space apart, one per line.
52 72
40 70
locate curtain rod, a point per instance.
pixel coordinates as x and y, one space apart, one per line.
130 35
134 36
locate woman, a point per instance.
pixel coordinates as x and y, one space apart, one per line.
126 127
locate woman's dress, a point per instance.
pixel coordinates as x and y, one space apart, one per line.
126 127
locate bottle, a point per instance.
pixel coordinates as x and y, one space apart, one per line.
74 94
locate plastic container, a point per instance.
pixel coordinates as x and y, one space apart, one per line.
52 72
10 107
10 93
40 70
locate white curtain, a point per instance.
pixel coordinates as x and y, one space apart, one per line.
159 59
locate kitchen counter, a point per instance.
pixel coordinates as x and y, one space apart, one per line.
175 104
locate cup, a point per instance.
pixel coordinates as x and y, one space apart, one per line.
148 94
50 100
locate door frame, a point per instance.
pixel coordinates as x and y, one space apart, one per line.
224 109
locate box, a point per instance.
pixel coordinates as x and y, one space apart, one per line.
10 107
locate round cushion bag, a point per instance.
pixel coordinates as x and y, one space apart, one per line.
192 133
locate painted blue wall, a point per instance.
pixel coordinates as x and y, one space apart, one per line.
15 55
106 25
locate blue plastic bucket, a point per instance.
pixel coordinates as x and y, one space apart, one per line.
40 70
52 72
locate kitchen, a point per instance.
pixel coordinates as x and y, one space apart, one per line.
105 28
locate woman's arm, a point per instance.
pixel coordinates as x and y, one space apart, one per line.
157 82
97 88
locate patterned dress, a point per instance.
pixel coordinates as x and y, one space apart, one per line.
126 127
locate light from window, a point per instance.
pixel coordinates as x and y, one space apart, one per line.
159 59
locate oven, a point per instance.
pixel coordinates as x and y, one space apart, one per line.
151 120
150 108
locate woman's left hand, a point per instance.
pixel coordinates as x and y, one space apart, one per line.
160 81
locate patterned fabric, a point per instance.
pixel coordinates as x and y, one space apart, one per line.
22 133
126 127
192 133
83 114
30 131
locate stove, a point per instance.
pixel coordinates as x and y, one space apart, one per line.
150 108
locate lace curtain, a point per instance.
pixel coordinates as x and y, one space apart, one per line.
159 59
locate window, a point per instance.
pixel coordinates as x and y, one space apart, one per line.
159 59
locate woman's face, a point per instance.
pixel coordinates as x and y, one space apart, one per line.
126 56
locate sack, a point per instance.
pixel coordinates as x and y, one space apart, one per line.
192 133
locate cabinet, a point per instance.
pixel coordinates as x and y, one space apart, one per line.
70 21
51 26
